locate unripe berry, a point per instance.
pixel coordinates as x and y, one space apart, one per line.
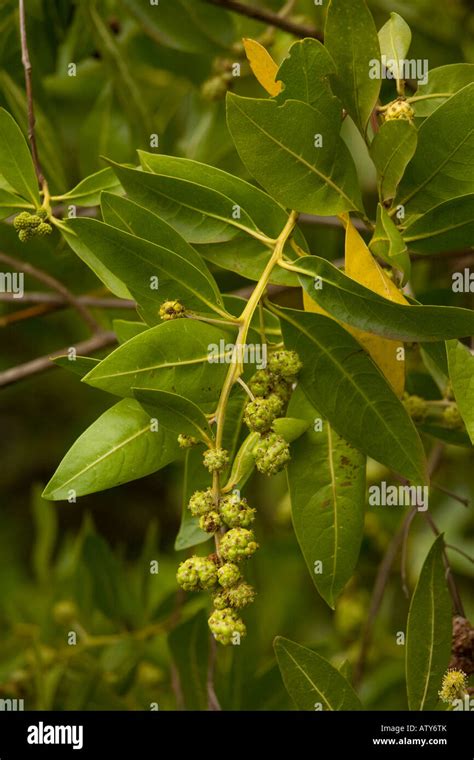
200 503
399 109
25 235
236 597
259 414
271 454
186 441
285 364
228 574
43 229
172 310
451 417
261 383
238 544
42 213
215 459
65 612
35 220
236 513
197 573
210 522
22 221
215 88
224 624
415 406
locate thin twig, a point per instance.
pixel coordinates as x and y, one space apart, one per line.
25 59
212 701
53 300
21 315
268 17
459 551
461 499
44 363
453 589
54 284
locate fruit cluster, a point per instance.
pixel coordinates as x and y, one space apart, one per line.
272 389
31 225
399 109
172 310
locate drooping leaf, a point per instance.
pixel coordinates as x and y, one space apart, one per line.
345 385
311 681
189 646
389 245
355 305
441 169
80 365
195 478
326 477
243 464
295 152
263 66
446 227
87 191
445 80
395 40
392 148
175 413
154 272
305 73
16 163
118 447
351 39
461 373
182 356
428 640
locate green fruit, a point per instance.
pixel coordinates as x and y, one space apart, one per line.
236 597
238 544
236 513
186 441
215 88
259 414
210 522
197 573
228 574
172 310
399 109
285 364
271 454
225 624
201 502
215 459
43 229
451 417
415 406
65 612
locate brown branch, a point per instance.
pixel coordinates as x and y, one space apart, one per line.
52 300
44 363
54 284
460 499
22 315
267 17
25 59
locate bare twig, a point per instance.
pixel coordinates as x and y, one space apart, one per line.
461 499
25 59
52 300
44 363
21 315
54 284
459 551
268 17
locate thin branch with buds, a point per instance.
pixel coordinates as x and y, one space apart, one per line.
25 59
268 17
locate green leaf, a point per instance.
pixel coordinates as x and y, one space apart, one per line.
125 329
87 192
326 477
108 582
461 373
118 447
174 356
277 145
248 257
175 413
392 148
348 389
352 303
311 681
388 243
80 365
244 463
11 203
441 168
445 79
351 38
137 261
186 25
446 227
305 73
189 647
395 40
448 435
428 640
113 283
290 428
45 530
15 160
196 478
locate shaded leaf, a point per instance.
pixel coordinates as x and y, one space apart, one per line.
15 160
389 245
175 413
392 148
395 40
189 646
461 373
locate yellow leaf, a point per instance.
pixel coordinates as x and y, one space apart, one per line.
362 267
262 65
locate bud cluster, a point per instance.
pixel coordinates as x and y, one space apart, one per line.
32 225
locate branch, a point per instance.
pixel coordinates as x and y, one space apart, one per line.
25 59
51 300
267 17
44 363
54 284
